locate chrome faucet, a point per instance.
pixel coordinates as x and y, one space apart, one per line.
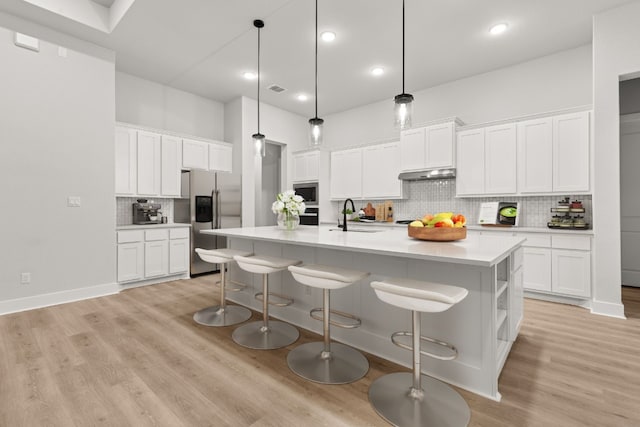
344 213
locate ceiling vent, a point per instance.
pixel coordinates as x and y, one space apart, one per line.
276 88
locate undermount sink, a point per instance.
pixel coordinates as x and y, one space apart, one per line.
357 230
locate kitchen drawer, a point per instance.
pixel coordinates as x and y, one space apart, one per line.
153 235
582 243
536 240
130 236
178 233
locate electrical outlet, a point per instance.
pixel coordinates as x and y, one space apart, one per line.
25 278
307 290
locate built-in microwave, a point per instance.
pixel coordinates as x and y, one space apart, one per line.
308 191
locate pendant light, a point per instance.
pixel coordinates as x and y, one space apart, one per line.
403 102
258 138
316 123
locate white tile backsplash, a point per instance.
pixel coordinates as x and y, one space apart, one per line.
124 209
440 196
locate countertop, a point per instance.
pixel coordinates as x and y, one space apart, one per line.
476 249
588 232
151 226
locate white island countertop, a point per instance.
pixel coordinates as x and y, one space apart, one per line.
393 241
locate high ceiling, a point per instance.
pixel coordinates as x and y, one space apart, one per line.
204 46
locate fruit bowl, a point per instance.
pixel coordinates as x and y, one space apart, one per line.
438 234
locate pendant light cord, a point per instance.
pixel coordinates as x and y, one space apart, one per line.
402 46
259 79
316 95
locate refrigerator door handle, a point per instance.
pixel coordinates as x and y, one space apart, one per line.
214 208
217 222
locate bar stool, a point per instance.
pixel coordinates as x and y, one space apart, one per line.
327 362
221 315
266 335
400 398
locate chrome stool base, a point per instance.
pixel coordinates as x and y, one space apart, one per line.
215 316
440 406
346 364
279 335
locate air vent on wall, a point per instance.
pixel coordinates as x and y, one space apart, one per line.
276 88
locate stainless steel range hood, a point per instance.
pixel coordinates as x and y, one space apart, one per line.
427 174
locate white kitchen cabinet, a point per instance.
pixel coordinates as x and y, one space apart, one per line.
500 159
557 264
178 250
130 261
126 161
537 271
470 162
571 152
535 156
195 154
130 255
380 169
220 157
306 166
153 254
346 174
148 163
428 147
171 162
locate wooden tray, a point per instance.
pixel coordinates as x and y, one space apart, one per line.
438 234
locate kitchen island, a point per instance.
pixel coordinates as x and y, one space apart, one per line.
482 327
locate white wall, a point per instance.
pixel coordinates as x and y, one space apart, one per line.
56 130
279 126
616 53
550 83
146 103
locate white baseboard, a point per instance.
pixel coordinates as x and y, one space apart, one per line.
558 298
608 309
55 298
153 281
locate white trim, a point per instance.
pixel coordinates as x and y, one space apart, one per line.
608 309
579 109
153 281
55 298
561 299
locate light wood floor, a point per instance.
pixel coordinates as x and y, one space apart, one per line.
138 359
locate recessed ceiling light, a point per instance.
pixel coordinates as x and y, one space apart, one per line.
249 75
377 71
328 36
499 28
302 97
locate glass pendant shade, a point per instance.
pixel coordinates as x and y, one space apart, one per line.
315 131
260 144
402 110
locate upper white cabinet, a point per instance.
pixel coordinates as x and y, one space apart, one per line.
571 147
487 160
220 157
366 173
149 164
554 154
306 166
171 159
428 147
126 161
195 154
380 169
535 156
346 174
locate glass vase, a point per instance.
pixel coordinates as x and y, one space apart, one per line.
288 221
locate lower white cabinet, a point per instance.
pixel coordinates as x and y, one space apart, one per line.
152 253
558 264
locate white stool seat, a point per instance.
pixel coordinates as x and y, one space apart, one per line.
322 276
427 297
219 256
263 264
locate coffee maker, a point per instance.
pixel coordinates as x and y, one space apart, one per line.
147 213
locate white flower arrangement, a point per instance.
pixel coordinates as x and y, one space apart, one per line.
288 203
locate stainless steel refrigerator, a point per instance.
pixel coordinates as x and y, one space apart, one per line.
208 200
